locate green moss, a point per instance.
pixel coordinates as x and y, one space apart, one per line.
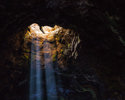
54 57
27 50
61 51
68 45
26 56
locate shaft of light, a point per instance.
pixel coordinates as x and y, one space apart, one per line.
38 73
36 89
32 76
35 74
50 76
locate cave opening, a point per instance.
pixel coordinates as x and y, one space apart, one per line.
87 54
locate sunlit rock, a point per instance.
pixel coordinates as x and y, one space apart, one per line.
35 30
49 32
46 32
63 43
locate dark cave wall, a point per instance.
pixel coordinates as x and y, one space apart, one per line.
100 25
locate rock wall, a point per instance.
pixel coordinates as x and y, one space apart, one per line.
100 25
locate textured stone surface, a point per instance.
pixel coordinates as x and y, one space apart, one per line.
100 25
64 43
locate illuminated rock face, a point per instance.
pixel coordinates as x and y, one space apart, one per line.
35 30
50 32
63 43
46 33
